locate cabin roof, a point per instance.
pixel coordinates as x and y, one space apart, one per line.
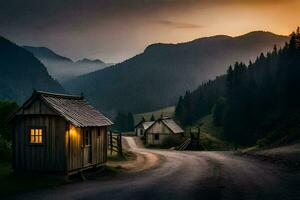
171 124
138 124
74 109
146 125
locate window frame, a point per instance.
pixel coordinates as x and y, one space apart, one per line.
43 128
156 136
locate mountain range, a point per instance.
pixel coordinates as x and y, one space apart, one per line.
158 76
21 73
62 68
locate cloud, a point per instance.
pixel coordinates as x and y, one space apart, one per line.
177 24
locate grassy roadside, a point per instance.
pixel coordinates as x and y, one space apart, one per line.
115 157
210 135
11 183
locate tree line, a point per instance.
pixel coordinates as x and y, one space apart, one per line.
250 100
124 122
7 108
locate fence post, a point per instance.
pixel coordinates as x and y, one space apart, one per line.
120 144
198 138
111 142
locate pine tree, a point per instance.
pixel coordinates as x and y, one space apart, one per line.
152 118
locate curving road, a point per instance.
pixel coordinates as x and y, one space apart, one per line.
187 175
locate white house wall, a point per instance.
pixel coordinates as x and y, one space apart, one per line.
159 127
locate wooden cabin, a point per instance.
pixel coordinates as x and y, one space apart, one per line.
141 128
161 129
58 133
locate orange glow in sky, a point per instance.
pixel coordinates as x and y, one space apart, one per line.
117 30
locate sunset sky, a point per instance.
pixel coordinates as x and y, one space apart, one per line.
114 30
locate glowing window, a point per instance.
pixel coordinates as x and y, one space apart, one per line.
36 136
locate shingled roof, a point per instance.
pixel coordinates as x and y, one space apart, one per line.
171 124
146 125
74 109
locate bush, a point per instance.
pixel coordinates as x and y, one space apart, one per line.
5 149
7 108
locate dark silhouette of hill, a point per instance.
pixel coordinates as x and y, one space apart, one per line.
44 53
21 72
158 76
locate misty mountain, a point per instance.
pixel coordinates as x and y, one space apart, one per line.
90 62
21 72
44 53
63 68
156 77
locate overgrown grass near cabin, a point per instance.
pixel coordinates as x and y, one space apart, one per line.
11 184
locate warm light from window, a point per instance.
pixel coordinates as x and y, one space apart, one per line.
36 136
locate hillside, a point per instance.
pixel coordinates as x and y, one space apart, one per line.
21 72
155 78
256 103
63 68
167 112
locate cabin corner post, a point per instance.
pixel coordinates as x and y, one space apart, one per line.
67 150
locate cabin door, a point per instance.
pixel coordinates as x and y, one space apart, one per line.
87 147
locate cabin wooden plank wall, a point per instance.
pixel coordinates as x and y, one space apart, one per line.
48 156
151 138
75 146
99 144
159 127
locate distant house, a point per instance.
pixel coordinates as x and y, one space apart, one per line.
141 128
58 133
161 129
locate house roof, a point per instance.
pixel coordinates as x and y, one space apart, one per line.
171 124
146 125
74 109
142 121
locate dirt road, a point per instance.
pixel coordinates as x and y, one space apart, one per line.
186 175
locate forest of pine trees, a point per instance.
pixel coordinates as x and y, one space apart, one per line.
124 122
250 101
199 103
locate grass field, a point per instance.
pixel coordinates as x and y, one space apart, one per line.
209 128
11 183
211 135
169 111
